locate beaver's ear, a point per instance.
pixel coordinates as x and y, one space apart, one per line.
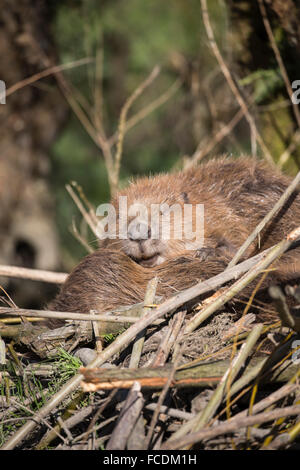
185 197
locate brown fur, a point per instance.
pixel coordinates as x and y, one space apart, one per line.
237 194
106 279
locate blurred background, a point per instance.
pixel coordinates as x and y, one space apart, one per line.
99 92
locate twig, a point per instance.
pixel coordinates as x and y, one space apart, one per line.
33 274
122 122
230 81
230 374
80 238
113 318
204 416
127 419
278 58
82 209
284 391
281 306
159 403
201 152
168 340
230 426
140 339
171 411
263 264
291 148
86 201
33 417
45 73
95 326
143 113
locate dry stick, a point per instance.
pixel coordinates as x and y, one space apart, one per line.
33 274
200 376
265 403
273 254
82 209
279 59
45 73
140 339
121 341
178 320
244 380
230 81
122 123
168 340
52 429
129 414
80 238
162 396
86 201
291 148
284 391
84 117
92 425
230 374
98 119
171 411
200 152
98 91
285 196
230 426
282 307
65 428
217 397
144 112
113 318
95 326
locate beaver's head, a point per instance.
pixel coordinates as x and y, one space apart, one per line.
151 219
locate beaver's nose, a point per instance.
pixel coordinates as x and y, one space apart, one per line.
139 230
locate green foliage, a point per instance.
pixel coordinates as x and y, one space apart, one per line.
65 367
265 83
29 389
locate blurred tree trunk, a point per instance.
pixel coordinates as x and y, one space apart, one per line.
30 120
253 53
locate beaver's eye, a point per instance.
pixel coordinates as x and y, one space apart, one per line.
185 197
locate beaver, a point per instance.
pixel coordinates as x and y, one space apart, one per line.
107 279
236 194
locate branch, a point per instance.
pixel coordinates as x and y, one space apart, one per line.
230 81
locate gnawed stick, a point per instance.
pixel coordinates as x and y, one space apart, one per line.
155 378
